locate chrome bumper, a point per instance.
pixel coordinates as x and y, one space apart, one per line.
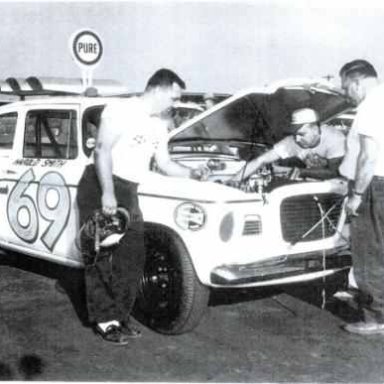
280 267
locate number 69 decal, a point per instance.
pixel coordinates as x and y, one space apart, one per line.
52 202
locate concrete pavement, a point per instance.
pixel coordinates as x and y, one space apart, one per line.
250 337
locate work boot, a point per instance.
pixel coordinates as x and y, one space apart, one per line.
113 334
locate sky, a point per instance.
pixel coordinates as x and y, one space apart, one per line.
215 46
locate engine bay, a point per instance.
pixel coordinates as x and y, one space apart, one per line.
263 181
223 161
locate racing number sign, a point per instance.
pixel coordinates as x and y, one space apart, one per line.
52 203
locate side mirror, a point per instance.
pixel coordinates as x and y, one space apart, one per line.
90 143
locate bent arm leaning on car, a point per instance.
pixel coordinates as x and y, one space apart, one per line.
328 172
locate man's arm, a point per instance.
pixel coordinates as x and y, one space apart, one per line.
107 137
365 169
170 167
255 164
329 172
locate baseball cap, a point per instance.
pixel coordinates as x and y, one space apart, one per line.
300 117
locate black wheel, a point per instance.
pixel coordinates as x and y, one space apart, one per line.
171 299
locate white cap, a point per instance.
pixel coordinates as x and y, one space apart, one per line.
301 116
304 116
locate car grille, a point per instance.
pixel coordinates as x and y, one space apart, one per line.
300 214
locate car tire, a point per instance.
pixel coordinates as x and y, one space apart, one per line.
171 299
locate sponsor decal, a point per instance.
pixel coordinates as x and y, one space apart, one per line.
58 163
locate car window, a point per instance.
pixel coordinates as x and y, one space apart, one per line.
50 134
7 130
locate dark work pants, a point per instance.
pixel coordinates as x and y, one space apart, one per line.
111 283
367 244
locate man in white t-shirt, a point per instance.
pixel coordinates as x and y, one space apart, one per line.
131 132
320 148
364 167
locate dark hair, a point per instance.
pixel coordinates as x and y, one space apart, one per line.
164 78
359 68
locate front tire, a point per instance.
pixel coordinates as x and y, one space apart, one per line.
171 299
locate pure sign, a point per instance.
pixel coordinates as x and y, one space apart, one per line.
87 47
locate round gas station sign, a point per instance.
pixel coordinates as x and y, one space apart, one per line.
87 47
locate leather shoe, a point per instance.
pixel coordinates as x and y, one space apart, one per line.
130 330
113 334
363 328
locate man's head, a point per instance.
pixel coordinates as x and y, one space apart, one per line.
305 127
357 77
164 88
209 100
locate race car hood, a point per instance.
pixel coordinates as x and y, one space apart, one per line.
188 189
262 115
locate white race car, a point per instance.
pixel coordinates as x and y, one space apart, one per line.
199 235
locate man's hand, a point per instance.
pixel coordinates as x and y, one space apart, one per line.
109 204
232 183
353 203
201 173
294 174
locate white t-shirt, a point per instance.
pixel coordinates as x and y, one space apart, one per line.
332 145
140 135
369 121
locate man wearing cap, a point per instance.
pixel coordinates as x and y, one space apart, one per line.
209 100
320 148
364 167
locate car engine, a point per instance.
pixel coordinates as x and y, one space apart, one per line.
263 181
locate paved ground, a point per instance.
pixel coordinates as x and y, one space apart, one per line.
269 337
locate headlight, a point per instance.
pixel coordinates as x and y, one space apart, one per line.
190 216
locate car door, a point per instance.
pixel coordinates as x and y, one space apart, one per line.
41 203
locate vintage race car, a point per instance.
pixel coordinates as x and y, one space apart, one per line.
199 235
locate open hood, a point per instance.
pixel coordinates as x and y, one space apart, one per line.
261 116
